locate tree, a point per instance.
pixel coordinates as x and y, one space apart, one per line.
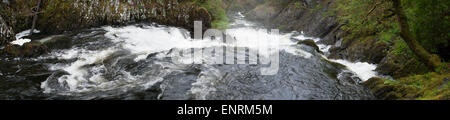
432 61
35 17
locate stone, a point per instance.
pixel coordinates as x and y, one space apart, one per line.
310 43
31 49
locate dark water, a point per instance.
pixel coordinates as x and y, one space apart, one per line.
133 62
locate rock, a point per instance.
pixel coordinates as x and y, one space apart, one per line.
380 90
233 6
310 43
398 66
31 49
263 12
368 49
57 42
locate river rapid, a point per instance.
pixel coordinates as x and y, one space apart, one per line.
134 62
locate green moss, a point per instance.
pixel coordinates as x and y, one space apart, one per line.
216 9
429 86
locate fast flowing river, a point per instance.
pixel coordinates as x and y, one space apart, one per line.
134 62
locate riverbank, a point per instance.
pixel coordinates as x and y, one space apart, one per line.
358 41
56 17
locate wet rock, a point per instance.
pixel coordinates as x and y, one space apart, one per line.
263 13
55 84
368 49
310 43
241 5
289 15
31 49
57 42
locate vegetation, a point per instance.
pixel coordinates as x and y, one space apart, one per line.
415 29
430 86
216 9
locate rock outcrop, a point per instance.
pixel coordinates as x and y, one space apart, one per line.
310 43
241 5
309 16
31 49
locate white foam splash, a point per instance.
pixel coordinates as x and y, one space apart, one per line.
20 41
19 37
142 41
363 70
149 39
322 47
25 33
255 38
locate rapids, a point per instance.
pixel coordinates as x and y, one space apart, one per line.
134 62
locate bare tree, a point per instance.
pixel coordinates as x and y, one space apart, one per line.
35 17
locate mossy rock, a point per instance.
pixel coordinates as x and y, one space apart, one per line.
430 86
379 89
31 49
311 43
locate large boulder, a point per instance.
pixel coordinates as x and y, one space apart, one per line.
368 49
398 66
310 43
382 90
31 49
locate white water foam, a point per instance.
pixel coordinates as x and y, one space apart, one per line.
322 47
144 40
149 39
19 37
364 70
254 38
25 33
20 41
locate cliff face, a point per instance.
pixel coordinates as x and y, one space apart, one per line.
57 16
310 16
241 5
318 18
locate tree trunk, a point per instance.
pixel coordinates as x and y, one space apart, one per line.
35 17
430 60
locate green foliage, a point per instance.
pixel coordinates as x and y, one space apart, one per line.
430 23
215 8
317 8
298 4
429 86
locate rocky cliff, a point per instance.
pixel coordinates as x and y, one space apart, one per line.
318 18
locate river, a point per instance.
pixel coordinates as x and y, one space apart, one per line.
134 62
